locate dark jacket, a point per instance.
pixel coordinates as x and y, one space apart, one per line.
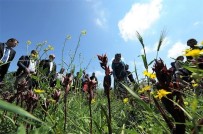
45 65
23 63
119 70
4 68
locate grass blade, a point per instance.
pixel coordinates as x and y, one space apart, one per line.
15 109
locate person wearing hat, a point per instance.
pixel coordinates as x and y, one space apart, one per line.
7 54
48 67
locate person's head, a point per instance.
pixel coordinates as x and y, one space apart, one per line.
34 54
93 74
77 73
51 57
62 70
86 75
180 58
12 42
84 72
191 43
118 56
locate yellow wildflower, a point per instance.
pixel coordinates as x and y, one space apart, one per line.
38 91
193 53
146 88
28 42
145 73
162 93
68 37
93 101
50 47
194 84
125 100
150 75
83 32
186 103
52 100
152 93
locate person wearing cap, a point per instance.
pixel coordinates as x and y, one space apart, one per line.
49 69
27 65
7 54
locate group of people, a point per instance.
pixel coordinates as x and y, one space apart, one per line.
30 64
121 74
180 73
45 69
27 64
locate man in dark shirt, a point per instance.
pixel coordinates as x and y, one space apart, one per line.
48 67
119 74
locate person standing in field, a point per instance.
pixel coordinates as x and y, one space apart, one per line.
48 67
120 75
27 66
7 54
94 78
60 76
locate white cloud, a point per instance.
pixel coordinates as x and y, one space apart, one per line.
139 18
176 50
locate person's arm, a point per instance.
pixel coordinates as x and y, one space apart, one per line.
130 77
21 62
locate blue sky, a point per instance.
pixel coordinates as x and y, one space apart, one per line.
111 27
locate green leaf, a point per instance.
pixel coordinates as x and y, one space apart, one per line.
193 69
161 39
21 129
151 62
141 102
144 59
58 83
140 39
15 109
188 115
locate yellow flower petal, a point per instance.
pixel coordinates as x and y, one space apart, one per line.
39 91
125 100
193 52
28 42
161 93
93 101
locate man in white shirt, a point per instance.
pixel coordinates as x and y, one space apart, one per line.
27 65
